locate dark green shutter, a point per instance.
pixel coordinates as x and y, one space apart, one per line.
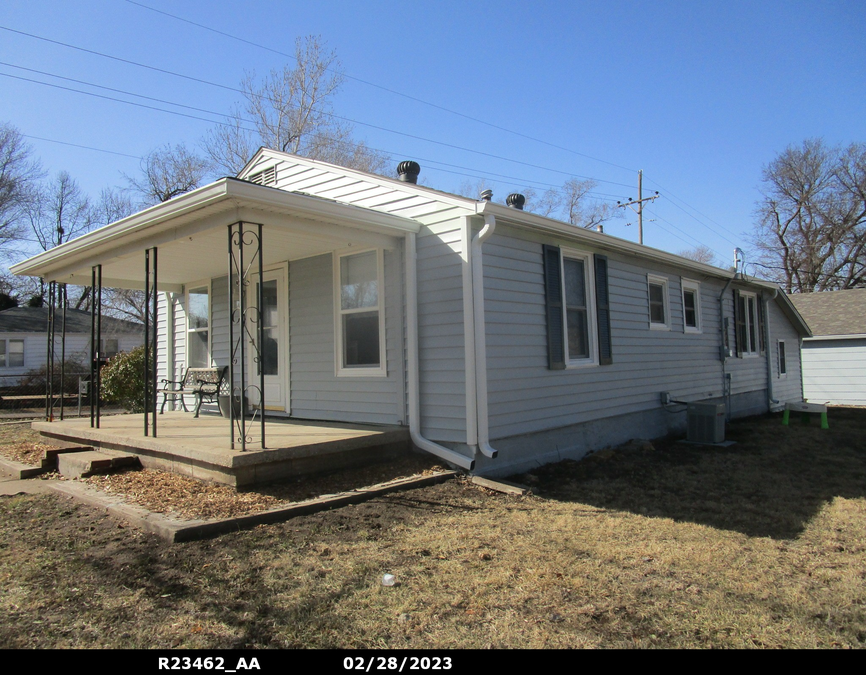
553 303
739 324
602 308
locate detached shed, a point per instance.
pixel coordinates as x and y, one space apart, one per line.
834 360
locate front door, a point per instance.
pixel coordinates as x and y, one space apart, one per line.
273 354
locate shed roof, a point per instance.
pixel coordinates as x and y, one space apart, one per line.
833 312
35 320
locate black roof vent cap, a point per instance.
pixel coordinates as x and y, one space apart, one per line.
408 171
515 200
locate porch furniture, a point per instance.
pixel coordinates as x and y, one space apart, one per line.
203 383
806 409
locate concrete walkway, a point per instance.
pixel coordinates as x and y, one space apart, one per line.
14 486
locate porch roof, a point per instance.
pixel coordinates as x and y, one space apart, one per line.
191 234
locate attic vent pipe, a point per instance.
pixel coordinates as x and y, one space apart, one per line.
486 195
515 200
408 171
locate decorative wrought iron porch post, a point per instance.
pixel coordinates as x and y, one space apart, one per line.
243 315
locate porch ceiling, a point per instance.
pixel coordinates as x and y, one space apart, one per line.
191 234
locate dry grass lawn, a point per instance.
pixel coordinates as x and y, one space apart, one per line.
762 544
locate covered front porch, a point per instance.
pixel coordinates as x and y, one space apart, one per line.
201 448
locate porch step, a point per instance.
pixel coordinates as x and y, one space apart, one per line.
79 464
49 457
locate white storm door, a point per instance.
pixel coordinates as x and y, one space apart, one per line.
273 352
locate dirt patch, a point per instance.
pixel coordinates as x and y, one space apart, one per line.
188 498
20 443
756 545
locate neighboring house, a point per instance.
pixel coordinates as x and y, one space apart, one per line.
501 338
834 360
24 339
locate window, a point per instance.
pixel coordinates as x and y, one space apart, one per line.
783 359
747 316
197 327
578 315
108 347
657 290
691 306
577 290
360 320
11 353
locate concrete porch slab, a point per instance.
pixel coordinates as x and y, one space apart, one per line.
201 448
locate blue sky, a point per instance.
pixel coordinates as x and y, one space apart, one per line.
700 95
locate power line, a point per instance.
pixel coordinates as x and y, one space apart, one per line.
383 88
76 145
173 112
339 117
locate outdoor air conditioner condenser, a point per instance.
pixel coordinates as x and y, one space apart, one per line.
706 422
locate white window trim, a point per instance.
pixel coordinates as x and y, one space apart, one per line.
591 320
6 365
205 283
747 318
780 345
663 282
694 286
359 371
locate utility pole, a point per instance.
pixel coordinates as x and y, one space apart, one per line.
637 204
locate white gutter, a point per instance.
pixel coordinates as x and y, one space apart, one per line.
412 348
480 336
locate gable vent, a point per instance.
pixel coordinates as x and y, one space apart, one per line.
266 177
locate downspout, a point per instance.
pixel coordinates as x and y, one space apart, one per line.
771 399
722 353
480 336
412 365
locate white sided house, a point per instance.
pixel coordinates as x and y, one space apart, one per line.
500 338
24 332
834 359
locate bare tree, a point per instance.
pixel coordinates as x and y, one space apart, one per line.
168 172
18 174
574 204
811 229
291 110
56 213
702 254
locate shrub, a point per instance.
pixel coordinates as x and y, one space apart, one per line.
123 380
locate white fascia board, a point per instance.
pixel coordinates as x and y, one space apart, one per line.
816 338
234 194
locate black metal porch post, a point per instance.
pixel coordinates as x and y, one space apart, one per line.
49 357
64 300
243 316
261 338
95 343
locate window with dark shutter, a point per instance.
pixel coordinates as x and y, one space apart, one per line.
602 306
553 302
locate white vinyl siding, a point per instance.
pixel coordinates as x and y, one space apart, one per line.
316 391
526 397
834 371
